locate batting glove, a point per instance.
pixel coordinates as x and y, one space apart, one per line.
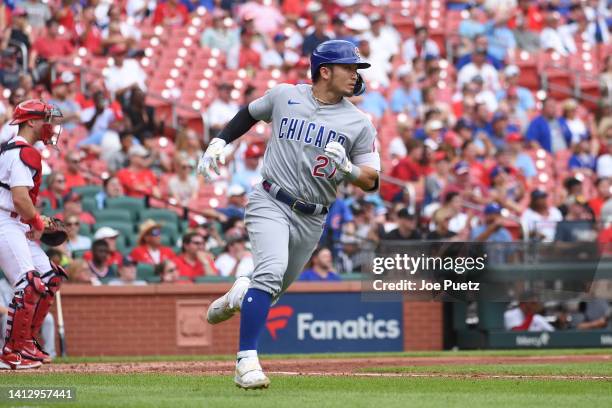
209 159
336 153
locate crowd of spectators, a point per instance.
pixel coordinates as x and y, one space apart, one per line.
470 151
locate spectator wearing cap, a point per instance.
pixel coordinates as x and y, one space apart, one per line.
10 69
19 31
279 56
525 98
518 158
236 202
526 316
406 227
149 249
479 66
137 179
572 126
220 35
237 260
250 174
75 241
321 267
540 220
124 75
436 182
73 207
420 45
499 128
244 55
63 98
407 97
98 264
110 236
318 36
195 260
74 173
127 274
468 182
170 13
222 109
546 132
55 190
493 228
556 37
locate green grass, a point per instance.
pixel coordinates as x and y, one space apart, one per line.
569 369
147 390
485 353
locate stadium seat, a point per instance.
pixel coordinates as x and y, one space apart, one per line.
113 214
213 279
87 191
79 254
160 215
134 205
145 271
171 230
89 204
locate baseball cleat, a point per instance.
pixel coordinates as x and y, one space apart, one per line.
249 375
227 305
33 351
10 360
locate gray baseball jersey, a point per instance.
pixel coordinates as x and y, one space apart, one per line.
301 128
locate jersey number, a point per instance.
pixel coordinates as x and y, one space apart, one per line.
322 162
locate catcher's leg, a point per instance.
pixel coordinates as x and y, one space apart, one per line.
53 280
19 324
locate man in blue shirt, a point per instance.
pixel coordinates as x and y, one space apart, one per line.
546 131
492 230
321 267
406 98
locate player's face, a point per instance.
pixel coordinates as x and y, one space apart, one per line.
343 78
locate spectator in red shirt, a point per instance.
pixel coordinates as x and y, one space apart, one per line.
195 261
149 249
243 55
171 13
55 190
89 34
137 179
603 194
73 207
74 174
51 45
407 169
109 235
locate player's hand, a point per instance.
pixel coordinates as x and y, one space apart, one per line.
336 153
209 159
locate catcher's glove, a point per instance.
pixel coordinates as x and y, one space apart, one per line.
54 233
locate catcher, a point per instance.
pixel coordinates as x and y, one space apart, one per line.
28 269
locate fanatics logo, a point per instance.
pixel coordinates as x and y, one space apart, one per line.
278 317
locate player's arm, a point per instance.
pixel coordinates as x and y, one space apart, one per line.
27 211
235 128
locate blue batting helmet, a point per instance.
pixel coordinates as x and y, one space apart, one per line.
338 52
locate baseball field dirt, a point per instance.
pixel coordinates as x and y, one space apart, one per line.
568 379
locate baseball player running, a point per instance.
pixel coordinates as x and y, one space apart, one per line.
25 265
319 140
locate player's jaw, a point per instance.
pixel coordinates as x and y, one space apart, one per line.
345 78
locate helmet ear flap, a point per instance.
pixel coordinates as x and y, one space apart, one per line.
360 86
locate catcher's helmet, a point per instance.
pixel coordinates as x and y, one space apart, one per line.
338 52
32 109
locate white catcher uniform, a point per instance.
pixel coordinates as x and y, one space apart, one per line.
18 255
283 239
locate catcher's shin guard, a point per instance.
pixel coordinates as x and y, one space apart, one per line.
54 278
19 324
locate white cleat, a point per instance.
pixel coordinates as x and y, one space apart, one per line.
227 305
249 375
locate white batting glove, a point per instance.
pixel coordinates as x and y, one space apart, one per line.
336 153
209 158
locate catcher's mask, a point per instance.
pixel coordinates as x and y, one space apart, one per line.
38 109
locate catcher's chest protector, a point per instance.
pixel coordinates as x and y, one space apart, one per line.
31 158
